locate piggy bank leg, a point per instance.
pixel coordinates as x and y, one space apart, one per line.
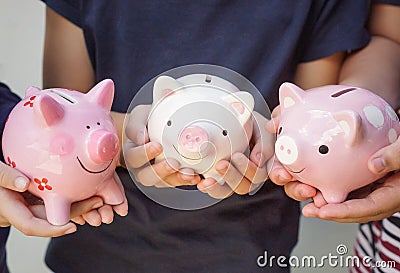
334 197
57 209
111 193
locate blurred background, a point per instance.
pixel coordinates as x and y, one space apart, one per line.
21 46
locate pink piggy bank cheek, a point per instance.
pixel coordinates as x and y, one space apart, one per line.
62 144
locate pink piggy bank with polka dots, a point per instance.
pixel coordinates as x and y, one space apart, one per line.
327 134
66 143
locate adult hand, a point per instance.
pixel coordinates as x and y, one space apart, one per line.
243 175
26 212
374 202
139 151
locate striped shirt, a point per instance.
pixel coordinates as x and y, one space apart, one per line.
378 246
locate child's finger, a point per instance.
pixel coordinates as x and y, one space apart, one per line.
300 191
21 217
78 220
150 175
137 156
106 214
12 179
93 218
82 207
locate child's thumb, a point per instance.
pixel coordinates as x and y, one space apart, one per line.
12 179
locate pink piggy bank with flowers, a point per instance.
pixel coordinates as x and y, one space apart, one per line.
66 143
326 136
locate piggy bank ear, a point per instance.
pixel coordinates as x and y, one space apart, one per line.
48 110
242 103
164 86
290 95
31 90
351 124
102 94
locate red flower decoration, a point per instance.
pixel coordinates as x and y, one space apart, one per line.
10 162
43 184
30 102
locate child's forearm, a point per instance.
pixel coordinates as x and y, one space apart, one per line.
7 101
119 119
377 68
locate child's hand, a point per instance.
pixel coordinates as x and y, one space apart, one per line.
94 212
243 175
27 213
16 211
138 151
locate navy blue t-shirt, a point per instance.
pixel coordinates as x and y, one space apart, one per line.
7 101
389 2
3 239
133 41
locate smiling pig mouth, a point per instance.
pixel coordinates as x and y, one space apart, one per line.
94 172
198 158
295 171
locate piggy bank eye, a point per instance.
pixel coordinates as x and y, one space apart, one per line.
224 132
98 123
169 123
87 127
323 149
280 130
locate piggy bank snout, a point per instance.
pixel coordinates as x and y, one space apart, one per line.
103 146
193 139
286 150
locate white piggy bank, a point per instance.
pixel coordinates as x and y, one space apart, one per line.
199 120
